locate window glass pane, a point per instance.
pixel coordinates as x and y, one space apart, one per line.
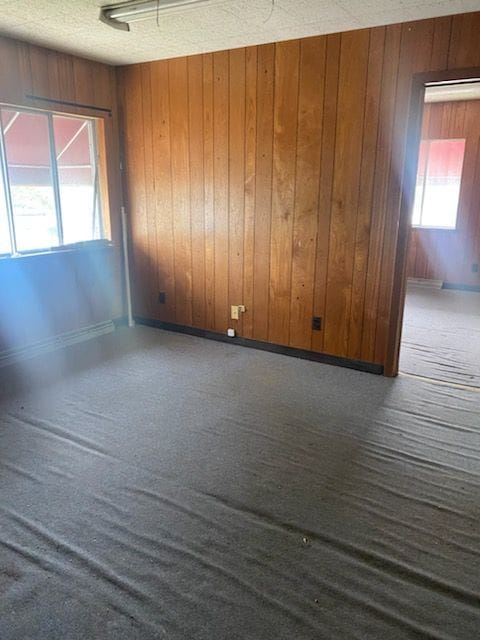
77 177
30 174
439 178
442 184
4 230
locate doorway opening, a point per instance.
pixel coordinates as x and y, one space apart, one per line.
438 266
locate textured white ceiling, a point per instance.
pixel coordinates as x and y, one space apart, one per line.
73 25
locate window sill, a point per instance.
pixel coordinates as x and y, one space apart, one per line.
79 247
422 228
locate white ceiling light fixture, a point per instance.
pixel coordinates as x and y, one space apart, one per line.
119 15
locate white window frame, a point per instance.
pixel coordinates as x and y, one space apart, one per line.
425 175
93 138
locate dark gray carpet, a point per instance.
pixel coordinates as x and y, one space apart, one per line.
162 486
441 335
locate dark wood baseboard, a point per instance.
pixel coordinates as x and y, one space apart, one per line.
359 365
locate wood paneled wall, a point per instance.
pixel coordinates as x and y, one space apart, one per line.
449 255
50 294
271 176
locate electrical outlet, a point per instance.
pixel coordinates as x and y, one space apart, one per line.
316 323
236 310
162 297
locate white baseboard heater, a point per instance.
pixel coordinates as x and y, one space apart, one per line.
19 354
423 282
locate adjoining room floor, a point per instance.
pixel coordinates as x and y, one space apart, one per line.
156 485
441 335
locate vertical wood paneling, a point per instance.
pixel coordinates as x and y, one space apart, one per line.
307 175
220 186
287 166
150 199
367 175
208 182
39 68
12 55
464 50
346 185
250 173
329 124
263 190
179 145
197 210
136 189
380 187
283 188
83 78
61 80
236 174
100 85
441 42
163 190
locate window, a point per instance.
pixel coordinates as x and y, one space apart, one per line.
49 188
437 191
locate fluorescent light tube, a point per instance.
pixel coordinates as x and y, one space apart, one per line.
121 14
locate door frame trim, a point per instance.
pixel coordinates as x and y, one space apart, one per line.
414 130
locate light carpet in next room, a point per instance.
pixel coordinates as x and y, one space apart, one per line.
441 335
